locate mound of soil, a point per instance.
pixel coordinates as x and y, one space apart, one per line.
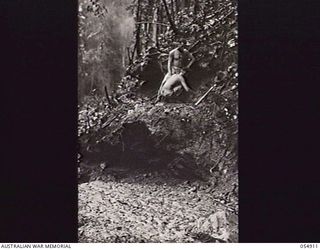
154 173
162 137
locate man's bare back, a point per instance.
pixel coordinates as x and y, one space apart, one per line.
173 84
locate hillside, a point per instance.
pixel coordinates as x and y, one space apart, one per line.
166 171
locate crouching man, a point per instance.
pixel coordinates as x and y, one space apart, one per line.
174 85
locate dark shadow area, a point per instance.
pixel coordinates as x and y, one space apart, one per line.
136 152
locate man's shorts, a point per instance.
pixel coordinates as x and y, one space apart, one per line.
177 70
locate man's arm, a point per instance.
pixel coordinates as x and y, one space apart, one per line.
191 57
183 83
166 77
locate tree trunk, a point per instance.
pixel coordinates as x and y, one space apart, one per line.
177 4
172 9
159 20
155 30
172 25
107 96
150 17
129 56
150 7
137 45
123 54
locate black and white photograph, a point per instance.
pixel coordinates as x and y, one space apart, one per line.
157 121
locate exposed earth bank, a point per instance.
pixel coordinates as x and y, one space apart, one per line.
163 172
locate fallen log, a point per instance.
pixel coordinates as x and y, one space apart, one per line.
107 123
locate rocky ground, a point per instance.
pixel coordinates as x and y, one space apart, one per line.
151 209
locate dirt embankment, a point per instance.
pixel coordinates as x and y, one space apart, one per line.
161 172
191 142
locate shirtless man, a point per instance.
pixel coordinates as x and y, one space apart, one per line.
176 68
173 85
